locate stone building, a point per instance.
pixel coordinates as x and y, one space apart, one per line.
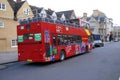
99 23
9 12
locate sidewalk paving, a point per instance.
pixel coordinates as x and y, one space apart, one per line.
108 42
6 57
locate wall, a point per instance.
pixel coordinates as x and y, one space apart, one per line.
8 13
21 15
7 34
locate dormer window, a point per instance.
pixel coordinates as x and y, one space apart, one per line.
54 17
26 11
2 6
43 15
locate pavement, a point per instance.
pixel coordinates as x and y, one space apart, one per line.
7 57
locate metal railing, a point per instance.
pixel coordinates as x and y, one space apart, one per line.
37 18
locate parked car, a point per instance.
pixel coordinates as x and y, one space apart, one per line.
97 41
116 39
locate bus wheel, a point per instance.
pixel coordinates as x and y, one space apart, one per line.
62 55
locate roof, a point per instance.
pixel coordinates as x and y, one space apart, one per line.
49 11
15 6
12 4
100 18
88 18
59 15
18 6
34 8
67 13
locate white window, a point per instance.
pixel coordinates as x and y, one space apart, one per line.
26 11
1 25
14 43
2 6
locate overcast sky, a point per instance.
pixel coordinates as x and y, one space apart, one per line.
110 7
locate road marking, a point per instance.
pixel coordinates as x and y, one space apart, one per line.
119 78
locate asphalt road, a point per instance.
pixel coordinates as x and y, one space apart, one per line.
101 64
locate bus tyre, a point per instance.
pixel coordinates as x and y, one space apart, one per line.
62 55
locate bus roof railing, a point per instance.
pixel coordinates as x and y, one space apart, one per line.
37 18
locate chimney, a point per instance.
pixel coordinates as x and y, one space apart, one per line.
85 15
95 12
49 9
18 1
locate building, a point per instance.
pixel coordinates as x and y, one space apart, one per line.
38 12
116 31
69 14
98 23
10 12
109 29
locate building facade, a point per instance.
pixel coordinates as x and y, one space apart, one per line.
99 24
9 11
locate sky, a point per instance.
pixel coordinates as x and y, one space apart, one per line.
110 7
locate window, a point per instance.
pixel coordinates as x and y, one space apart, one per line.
14 43
68 39
92 29
60 40
2 6
26 11
54 40
1 25
77 39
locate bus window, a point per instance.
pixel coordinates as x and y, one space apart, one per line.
77 39
70 39
26 37
65 40
54 40
60 40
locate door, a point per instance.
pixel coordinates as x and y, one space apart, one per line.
54 44
3 45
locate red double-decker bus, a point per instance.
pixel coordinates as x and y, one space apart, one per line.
45 40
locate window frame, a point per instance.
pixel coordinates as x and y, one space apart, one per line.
2 6
26 11
68 39
14 43
1 26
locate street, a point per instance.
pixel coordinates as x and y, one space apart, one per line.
101 64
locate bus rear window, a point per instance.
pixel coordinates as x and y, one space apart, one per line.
35 37
26 36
